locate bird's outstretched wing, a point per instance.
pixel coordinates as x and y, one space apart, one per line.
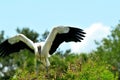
15 44
61 34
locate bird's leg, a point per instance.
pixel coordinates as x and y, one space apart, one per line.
47 69
36 67
46 66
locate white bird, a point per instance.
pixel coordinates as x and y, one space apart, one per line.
42 50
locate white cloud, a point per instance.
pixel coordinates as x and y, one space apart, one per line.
96 31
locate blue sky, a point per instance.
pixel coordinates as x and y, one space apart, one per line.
41 15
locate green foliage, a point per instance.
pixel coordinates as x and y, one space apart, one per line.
109 50
29 33
110 46
44 35
1 36
64 69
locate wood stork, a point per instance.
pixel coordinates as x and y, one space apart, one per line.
42 50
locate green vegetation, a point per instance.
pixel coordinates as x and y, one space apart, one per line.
101 64
72 67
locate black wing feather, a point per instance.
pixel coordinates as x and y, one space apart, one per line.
6 48
75 34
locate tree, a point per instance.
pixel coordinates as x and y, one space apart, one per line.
109 49
29 33
1 36
44 35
